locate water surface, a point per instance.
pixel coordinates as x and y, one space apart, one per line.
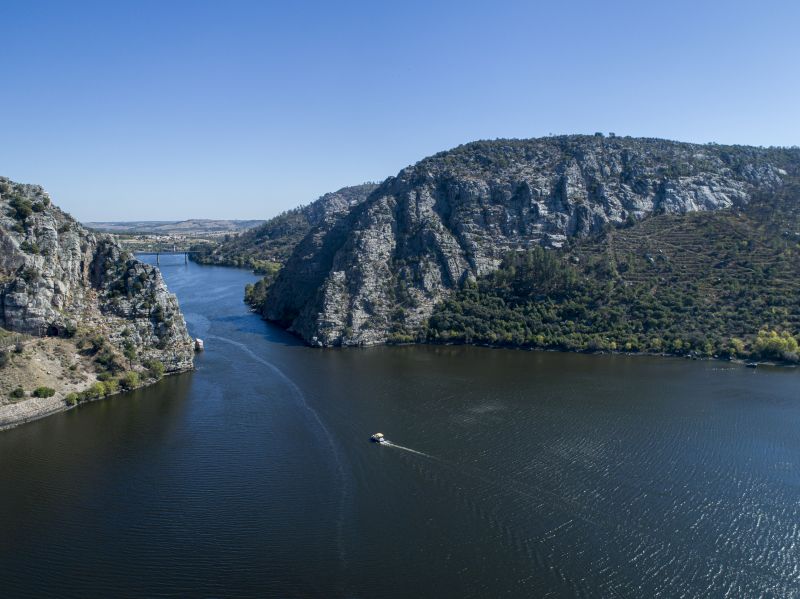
515 474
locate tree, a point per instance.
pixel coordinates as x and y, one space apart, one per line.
129 352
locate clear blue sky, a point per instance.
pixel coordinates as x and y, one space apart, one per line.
239 109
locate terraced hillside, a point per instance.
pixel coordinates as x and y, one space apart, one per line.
709 283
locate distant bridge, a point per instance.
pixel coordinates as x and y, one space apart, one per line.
167 250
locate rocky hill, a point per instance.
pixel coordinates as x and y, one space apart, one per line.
452 218
720 283
267 246
58 280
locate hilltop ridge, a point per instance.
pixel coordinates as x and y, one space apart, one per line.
379 271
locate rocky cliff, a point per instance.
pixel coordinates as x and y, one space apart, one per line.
450 218
59 280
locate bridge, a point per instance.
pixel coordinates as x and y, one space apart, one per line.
166 250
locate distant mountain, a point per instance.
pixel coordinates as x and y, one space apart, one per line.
184 227
380 271
267 246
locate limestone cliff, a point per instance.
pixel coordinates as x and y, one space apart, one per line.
452 217
58 279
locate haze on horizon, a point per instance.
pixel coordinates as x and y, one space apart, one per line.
169 111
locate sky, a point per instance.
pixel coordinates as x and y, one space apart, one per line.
166 110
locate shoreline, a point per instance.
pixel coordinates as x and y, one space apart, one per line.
749 362
742 361
36 408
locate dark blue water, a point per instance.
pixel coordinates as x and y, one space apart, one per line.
513 474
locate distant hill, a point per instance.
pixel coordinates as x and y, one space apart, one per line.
195 226
266 247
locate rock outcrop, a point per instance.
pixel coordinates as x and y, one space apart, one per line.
384 264
57 278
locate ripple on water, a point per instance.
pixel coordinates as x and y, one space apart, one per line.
518 474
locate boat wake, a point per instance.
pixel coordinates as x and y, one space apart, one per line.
396 446
301 399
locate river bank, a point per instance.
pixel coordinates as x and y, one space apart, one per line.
750 362
747 361
36 408
58 365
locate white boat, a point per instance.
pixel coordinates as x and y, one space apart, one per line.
198 345
378 438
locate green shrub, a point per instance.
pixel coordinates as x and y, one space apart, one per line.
30 274
72 399
22 208
96 391
109 360
44 392
97 342
17 393
129 351
399 338
29 246
4 359
129 380
155 369
111 386
774 345
158 314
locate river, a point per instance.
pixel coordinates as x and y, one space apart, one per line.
512 473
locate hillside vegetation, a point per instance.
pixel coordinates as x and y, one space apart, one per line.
724 283
266 247
613 210
260 247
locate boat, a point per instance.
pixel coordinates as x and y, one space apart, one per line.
198 345
378 438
